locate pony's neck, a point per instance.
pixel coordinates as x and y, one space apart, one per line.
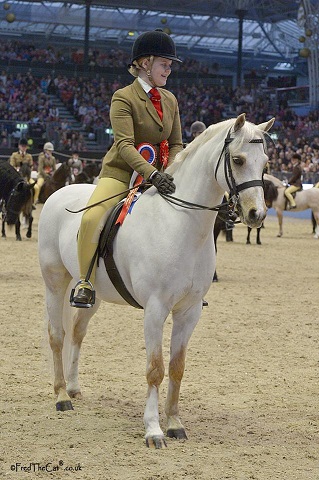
195 176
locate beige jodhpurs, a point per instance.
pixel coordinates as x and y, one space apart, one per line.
93 221
288 193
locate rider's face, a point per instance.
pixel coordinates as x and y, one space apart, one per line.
160 70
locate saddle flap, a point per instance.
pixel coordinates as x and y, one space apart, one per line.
109 230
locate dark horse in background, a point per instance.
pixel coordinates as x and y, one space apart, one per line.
55 182
27 209
14 194
222 225
89 173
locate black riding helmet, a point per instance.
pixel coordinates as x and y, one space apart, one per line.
156 43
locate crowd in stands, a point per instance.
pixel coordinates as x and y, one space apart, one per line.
26 98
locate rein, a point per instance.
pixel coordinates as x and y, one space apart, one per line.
226 207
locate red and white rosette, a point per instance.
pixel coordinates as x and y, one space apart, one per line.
148 152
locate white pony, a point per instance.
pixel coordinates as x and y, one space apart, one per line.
165 255
304 199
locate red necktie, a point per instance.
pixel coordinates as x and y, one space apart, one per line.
156 101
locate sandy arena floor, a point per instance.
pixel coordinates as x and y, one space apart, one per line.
249 394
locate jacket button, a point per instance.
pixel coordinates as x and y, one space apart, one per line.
161 129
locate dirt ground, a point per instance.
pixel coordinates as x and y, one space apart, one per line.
249 398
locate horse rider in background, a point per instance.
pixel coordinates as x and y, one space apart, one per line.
46 166
21 157
197 128
295 180
75 164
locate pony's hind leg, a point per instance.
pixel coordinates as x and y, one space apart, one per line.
183 327
316 226
56 286
80 322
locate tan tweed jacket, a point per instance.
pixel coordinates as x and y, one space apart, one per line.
134 120
17 159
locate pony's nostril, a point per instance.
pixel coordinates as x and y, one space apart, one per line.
252 214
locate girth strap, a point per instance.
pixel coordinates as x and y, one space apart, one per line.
106 252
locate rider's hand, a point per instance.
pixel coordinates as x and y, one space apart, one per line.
163 182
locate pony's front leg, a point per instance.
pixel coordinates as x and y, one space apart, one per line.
29 231
184 323
3 229
153 331
17 229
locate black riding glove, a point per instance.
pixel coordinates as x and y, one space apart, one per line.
163 182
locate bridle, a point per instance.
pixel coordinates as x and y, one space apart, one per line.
234 189
225 209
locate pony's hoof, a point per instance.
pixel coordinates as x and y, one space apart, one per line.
77 395
156 442
279 235
19 239
178 433
64 405
28 235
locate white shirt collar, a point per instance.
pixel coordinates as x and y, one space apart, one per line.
145 85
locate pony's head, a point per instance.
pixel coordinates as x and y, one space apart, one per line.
245 157
231 155
20 194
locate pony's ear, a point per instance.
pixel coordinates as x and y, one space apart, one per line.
21 186
240 121
267 125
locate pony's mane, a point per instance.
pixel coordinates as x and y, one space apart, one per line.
247 133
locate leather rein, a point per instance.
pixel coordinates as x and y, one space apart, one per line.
226 209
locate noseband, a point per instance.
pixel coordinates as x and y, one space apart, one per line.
234 189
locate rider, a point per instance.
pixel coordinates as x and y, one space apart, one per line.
21 156
46 166
76 164
137 116
295 180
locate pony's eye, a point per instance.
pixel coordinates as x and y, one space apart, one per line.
238 160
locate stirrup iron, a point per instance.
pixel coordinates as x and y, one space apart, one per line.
74 303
